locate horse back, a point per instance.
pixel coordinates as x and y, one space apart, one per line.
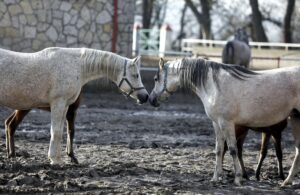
36 77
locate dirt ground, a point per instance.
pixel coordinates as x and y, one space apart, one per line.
127 148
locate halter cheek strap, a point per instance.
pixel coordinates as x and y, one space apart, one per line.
165 88
125 80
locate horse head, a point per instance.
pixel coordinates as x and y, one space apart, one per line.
130 82
166 82
241 35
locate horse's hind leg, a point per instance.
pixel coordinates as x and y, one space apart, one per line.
11 124
240 143
265 137
7 133
295 122
277 143
71 114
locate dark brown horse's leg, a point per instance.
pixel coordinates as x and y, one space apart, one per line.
7 137
224 151
263 152
71 115
240 143
11 124
276 135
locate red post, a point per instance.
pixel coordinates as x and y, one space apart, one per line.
115 27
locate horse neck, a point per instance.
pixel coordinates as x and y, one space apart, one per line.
98 64
208 92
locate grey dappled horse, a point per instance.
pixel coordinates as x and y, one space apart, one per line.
54 77
232 95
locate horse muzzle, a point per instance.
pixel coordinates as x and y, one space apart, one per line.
142 97
153 100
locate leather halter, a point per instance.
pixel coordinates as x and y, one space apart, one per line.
125 80
165 89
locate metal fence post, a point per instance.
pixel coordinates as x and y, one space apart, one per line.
165 40
135 39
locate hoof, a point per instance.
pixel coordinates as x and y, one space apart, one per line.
281 176
237 182
245 176
74 160
285 183
216 179
11 155
56 161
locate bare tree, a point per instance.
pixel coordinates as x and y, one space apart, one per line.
177 43
160 7
147 12
257 27
202 17
287 21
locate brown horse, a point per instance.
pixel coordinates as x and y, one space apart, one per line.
13 121
274 131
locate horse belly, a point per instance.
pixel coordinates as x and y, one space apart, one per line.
18 95
264 116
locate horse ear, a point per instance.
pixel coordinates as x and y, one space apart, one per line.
161 63
137 60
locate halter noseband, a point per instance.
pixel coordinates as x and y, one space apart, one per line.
124 79
165 89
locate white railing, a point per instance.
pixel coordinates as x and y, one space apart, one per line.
189 44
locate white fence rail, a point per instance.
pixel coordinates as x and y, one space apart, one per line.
188 44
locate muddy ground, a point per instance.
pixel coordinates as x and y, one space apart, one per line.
126 148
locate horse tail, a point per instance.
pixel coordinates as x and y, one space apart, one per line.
228 53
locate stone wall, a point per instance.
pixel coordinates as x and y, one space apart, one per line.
31 25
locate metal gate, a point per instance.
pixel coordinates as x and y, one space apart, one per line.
147 41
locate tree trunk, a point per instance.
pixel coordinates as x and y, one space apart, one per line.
287 31
205 4
182 24
258 29
147 13
203 18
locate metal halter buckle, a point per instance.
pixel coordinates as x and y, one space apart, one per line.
124 79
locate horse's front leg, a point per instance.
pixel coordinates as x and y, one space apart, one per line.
295 123
229 132
58 116
219 153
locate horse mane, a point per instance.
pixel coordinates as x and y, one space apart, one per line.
97 61
194 72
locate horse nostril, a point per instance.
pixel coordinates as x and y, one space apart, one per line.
143 97
146 97
153 101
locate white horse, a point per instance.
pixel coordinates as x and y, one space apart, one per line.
233 95
54 77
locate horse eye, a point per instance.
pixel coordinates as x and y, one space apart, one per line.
155 79
137 76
